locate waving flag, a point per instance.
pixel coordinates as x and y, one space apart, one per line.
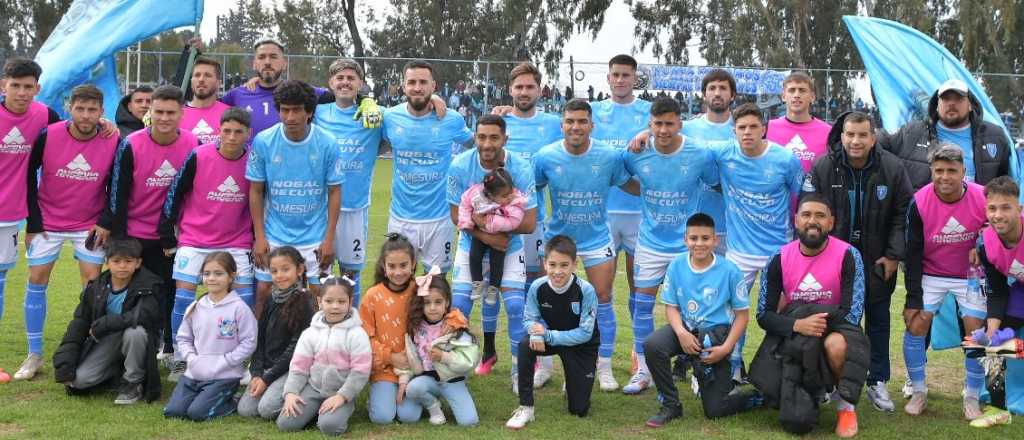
905 67
81 48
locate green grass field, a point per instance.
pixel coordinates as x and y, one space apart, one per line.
39 409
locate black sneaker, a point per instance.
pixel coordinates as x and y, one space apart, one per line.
664 415
128 394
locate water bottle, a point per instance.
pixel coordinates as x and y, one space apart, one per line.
976 285
707 344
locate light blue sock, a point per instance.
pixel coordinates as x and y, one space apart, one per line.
916 359
182 299
3 283
515 301
461 300
643 320
357 290
35 316
632 307
489 317
248 294
975 377
736 357
606 326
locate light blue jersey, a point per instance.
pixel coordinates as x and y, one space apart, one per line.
669 190
296 175
526 136
711 201
358 147
466 171
705 298
615 125
579 187
423 147
960 137
757 193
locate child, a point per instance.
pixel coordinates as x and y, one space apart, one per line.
560 315
116 327
330 367
494 206
216 336
384 311
441 353
286 313
707 311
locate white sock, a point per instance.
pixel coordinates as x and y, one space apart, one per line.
604 363
843 405
641 364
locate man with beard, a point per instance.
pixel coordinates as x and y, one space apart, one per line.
943 221
422 146
269 62
466 170
826 273
202 113
954 116
798 131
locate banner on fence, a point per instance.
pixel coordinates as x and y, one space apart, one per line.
688 78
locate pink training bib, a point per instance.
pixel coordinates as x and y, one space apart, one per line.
155 168
817 279
216 213
73 182
17 135
950 229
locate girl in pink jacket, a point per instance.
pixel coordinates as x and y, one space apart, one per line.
494 205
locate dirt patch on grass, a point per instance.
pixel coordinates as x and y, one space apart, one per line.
7 429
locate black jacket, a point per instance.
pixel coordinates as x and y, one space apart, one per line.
141 307
914 140
126 121
881 192
275 342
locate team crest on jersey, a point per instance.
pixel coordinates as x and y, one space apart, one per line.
638 120
991 150
277 159
646 169
182 262
558 170
596 169
575 306
435 131
399 131
881 191
709 293
692 307
684 169
227 328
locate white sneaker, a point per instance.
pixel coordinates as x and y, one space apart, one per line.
32 364
161 356
491 295
918 402
541 377
972 408
908 388
520 417
478 290
176 371
606 379
879 397
638 383
436 414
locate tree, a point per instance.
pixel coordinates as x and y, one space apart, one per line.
27 24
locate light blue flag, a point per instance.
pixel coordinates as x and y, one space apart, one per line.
906 66
81 48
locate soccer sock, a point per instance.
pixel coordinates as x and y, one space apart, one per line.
515 300
632 306
35 316
643 320
975 378
916 359
356 292
488 345
3 283
641 364
246 292
606 326
182 299
461 301
736 357
489 316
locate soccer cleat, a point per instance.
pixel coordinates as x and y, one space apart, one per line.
478 290
878 394
846 425
30 367
541 376
491 295
993 416
606 379
176 370
908 389
129 394
520 417
664 415
637 384
972 408
436 414
918 402
486 365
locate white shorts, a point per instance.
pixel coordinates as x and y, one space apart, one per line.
350 238
597 256
625 229
750 265
935 289
45 248
514 276
433 240
649 267
308 253
533 248
188 264
8 246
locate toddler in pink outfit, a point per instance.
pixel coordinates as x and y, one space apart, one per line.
494 205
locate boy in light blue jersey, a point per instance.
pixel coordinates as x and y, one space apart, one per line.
358 147
758 179
579 172
468 169
295 195
422 147
670 173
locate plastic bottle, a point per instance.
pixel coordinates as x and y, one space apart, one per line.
976 284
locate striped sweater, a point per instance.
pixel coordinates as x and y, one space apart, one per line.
333 359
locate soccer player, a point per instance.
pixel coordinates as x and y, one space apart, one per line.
814 287
719 89
670 175
579 172
467 169
943 221
144 169
758 179
64 204
798 131
202 113
707 308
207 210
295 177
358 147
270 63
423 146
